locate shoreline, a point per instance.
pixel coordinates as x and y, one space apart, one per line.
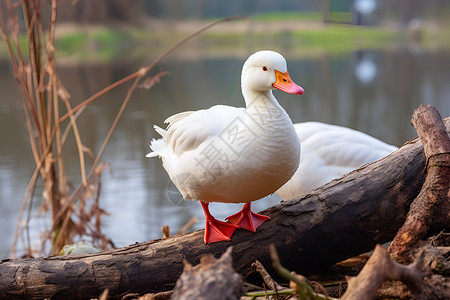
91 43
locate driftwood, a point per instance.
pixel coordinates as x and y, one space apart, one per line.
339 220
432 205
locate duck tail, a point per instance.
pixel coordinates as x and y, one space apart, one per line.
158 146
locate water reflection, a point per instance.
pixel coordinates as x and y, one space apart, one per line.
372 91
365 68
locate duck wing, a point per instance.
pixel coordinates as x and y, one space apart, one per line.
188 130
340 146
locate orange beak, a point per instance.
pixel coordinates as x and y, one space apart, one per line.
285 83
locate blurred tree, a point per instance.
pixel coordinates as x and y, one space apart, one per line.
131 11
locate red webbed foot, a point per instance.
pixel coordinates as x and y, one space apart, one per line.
247 219
215 230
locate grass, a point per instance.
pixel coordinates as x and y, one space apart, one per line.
340 17
108 44
70 41
333 39
287 16
342 38
101 44
313 16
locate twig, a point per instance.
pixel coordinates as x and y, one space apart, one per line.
165 231
303 289
272 284
104 295
186 226
266 293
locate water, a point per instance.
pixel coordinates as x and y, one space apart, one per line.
374 91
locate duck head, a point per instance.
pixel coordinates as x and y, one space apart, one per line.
266 70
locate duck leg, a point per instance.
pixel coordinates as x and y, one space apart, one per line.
215 230
247 219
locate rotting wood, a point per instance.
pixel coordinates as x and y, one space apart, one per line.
432 205
435 260
342 219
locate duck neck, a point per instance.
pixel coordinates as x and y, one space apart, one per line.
265 109
255 99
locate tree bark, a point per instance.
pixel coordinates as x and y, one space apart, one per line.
432 205
344 218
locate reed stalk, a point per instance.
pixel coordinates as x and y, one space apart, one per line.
50 118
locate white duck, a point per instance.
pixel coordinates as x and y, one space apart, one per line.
328 152
234 155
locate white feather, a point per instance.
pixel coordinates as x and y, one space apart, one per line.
328 152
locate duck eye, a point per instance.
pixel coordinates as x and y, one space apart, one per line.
264 68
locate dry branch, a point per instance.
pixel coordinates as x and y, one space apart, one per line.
271 284
383 277
432 205
379 268
342 219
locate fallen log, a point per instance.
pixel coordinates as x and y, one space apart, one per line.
344 218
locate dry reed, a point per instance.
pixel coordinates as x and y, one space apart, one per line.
47 107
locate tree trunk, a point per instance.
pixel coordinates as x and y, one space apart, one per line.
344 218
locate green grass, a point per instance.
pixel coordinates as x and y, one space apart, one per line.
340 17
108 37
337 16
110 43
339 38
70 42
103 44
333 38
284 16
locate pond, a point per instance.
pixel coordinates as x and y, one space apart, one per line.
374 91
